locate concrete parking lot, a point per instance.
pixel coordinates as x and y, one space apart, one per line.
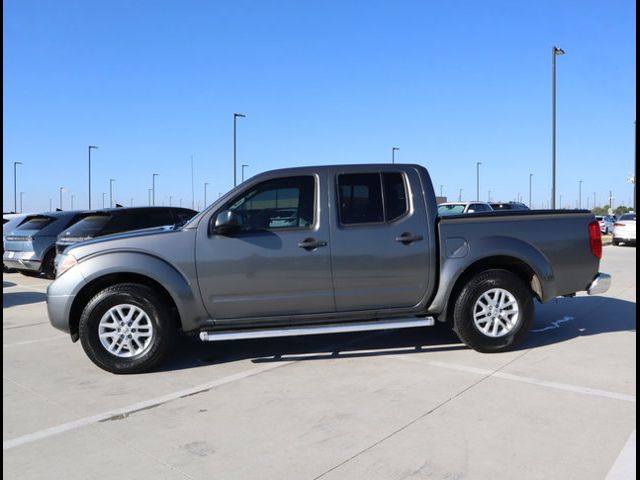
384 405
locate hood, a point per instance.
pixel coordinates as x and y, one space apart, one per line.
78 242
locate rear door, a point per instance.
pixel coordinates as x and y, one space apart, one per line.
268 267
381 242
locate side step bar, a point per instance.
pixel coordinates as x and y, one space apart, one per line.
213 336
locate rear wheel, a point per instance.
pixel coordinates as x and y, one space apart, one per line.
49 265
127 328
494 311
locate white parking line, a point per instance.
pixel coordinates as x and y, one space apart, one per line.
29 342
126 411
624 467
519 378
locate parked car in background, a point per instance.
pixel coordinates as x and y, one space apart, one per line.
30 247
624 230
98 223
9 222
606 223
458 208
508 206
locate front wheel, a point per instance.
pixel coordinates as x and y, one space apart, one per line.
494 311
127 328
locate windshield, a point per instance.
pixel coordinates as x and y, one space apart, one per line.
628 216
444 210
87 227
35 223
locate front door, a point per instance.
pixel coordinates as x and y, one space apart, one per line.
277 262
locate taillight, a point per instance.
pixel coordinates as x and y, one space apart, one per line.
595 239
619 225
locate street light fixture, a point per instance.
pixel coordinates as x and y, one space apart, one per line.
111 180
478 181
530 177
153 188
579 193
393 154
554 53
90 148
15 188
235 117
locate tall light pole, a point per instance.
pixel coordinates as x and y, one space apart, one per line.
111 180
21 193
393 154
530 177
489 196
180 203
460 196
478 181
170 199
579 193
71 207
90 148
61 188
243 167
15 187
441 190
153 189
205 194
50 204
554 53
560 206
103 195
235 173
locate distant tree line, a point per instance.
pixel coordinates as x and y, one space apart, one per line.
621 210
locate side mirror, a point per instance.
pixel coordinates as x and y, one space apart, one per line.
226 222
471 210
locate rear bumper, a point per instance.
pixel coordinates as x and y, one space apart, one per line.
22 260
600 284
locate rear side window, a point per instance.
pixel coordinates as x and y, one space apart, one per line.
36 223
628 216
371 197
87 227
479 207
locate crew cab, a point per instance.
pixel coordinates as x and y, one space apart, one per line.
315 250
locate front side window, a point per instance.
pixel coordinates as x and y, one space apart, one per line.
276 204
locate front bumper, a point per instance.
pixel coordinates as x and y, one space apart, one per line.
22 260
600 284
60 296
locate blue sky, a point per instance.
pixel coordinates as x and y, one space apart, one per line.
321 82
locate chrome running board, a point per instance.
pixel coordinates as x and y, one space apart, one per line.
214 336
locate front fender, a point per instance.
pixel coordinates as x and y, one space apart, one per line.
179 287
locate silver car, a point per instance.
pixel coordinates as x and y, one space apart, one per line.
460 208
624 230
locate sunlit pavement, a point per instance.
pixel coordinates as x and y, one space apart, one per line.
384 405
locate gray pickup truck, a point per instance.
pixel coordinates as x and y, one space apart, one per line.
321 250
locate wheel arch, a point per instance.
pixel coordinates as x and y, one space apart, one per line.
89 290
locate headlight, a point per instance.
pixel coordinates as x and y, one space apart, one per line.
64 262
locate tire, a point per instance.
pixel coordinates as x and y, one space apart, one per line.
115 303
49 265
483 289
615 242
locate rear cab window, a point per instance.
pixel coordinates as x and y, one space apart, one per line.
365 198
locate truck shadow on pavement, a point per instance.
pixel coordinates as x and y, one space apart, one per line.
14 299
557 321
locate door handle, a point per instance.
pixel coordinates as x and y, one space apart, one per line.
408 238
311 244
